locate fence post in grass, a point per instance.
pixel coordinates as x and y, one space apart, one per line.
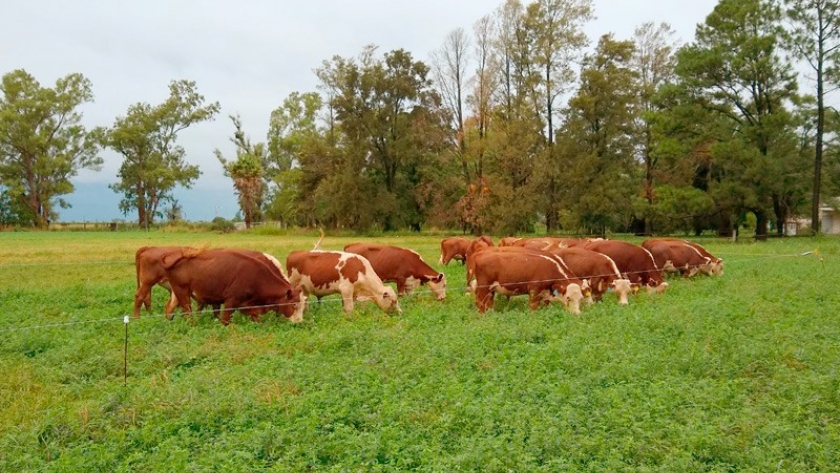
125 353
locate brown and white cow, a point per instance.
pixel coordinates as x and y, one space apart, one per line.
634 262
511 271
678 257
454 248
598 269
402 266
237 280
321 272
715 264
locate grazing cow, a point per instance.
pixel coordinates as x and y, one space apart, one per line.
453 248
715 266
509 271
677 256
402 266
597 268
237 280
148 262
321 273
634 262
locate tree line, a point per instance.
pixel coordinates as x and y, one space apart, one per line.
515 124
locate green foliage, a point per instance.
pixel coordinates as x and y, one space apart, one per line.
735 373
221 224
247 172
153 163
43 143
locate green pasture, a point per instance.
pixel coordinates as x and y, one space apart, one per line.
737 373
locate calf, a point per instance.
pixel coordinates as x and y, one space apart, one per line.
634 262
321 273
453 248
511 271
237 280
402 266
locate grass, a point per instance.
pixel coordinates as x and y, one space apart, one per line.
737 373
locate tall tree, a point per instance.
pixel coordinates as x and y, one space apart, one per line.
295 142
814 36
598 141
555 29
449 70
386 112
654 63
153 163
735 64
246 170
43 143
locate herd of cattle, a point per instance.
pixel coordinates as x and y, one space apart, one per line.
570 271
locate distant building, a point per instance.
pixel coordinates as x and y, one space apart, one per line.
829 221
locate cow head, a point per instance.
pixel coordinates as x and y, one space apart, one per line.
291 304
654 287
717 267
623 288
437 285
386 301
572 297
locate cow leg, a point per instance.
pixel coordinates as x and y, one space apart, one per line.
534 300
347 297
171 304
401 286
484 299
141 297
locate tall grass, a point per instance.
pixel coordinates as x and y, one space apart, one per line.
737 373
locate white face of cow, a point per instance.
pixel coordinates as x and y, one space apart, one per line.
438 286
658 289
571 299
300 306
717 267
387 301
622 290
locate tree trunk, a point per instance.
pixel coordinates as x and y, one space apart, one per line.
760 225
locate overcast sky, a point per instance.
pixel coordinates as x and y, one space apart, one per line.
248 55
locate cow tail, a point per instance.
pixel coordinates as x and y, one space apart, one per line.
318 244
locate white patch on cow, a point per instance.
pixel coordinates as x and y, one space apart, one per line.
412 283
367 287
276 263
622 289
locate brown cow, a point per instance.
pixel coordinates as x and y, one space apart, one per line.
402 266
597 268
321 273
513 271
715 266
453 248
634 262
148 262
237 280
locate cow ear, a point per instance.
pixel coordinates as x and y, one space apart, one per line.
438 278
385 295
288 294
